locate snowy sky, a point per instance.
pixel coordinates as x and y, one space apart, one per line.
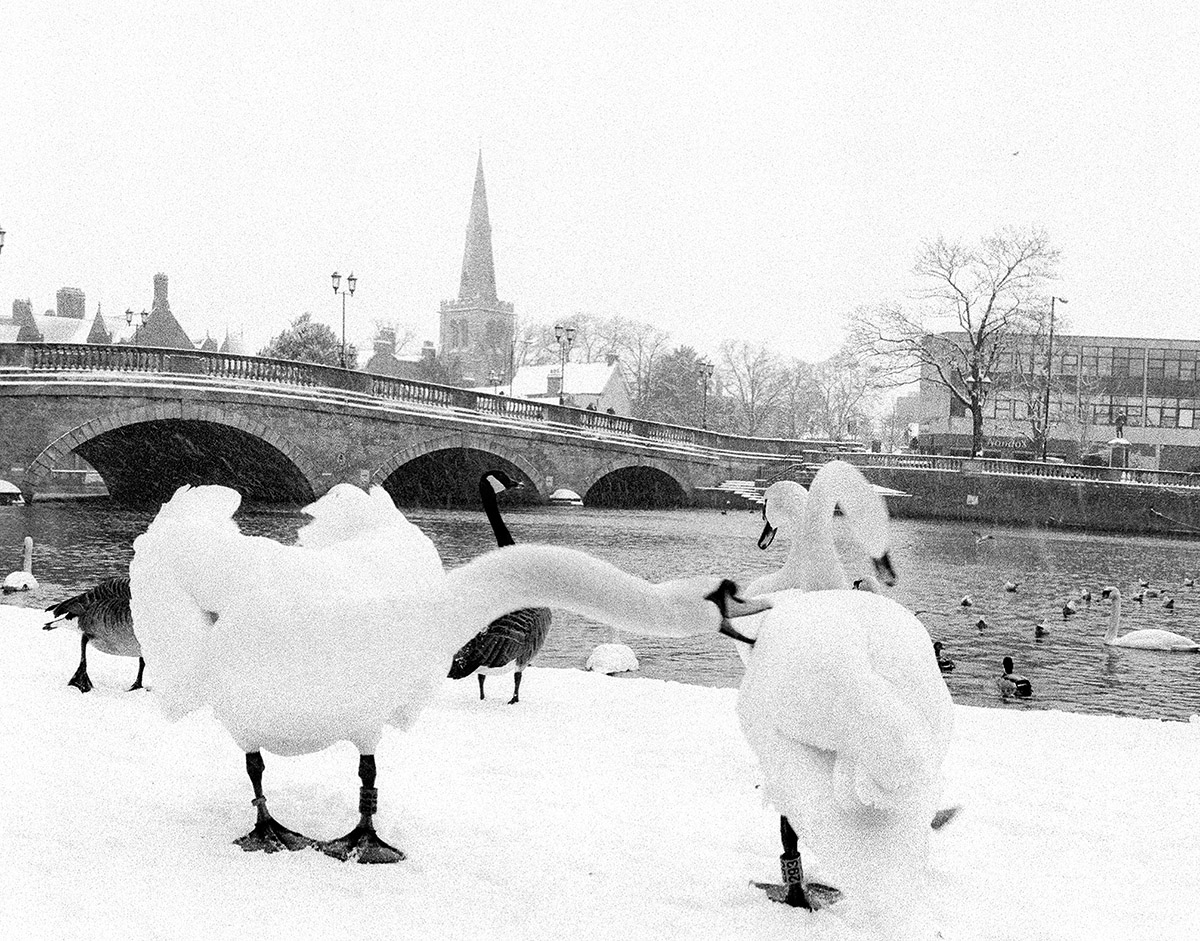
720 169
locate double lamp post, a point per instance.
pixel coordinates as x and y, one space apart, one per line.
351 283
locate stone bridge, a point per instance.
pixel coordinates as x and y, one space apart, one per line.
149 420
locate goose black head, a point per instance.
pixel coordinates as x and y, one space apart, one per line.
732 605
500 481
1008 665
884 570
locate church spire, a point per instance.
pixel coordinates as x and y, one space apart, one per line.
478 271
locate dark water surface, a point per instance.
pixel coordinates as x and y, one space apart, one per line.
938 563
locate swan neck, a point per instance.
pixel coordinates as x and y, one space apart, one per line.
822 564
1114 620
487 496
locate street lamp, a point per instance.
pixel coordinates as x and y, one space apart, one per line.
1046 403
129 315
565 337
351 282
494 382
706 371
980 386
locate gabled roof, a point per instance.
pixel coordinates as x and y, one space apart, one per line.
533 382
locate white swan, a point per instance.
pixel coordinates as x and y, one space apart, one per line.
298 647
851 720
812 563
23 579
1145 639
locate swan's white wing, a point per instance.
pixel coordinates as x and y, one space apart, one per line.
841 673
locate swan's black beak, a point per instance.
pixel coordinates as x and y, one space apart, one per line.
884 570
767 537
732 605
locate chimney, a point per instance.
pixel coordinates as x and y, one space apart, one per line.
610 358
160 292
554 382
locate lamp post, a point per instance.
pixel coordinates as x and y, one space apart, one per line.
1046 403
494 382
129 315
565 337
980 384
351 283
706 371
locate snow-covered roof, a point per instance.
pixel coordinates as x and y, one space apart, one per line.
531 382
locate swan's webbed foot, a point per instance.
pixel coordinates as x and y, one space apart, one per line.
364 844
810 895
81 681
270 836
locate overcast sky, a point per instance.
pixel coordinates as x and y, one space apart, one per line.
746 170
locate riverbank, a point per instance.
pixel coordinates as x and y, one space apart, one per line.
596 808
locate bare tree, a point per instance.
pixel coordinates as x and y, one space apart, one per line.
979 298
640 346
755 377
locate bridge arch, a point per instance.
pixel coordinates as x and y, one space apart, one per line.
645 482
487 447
265 465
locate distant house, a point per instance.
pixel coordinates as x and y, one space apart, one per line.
599 386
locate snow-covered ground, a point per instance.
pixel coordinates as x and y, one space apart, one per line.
597 808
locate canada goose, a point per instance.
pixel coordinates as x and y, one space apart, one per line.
966 602
1041 629
1145 639
1011 586
296 647
982 624
513 639
1168 603
101 615
1013 684
1069 608
22 579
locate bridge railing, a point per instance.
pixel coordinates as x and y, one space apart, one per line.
70 357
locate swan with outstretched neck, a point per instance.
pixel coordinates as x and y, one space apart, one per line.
296 647
1146 638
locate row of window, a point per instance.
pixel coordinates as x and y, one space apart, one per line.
1118 361
1158 412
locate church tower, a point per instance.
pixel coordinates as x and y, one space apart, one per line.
476 331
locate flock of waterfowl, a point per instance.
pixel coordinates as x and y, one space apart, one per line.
355 627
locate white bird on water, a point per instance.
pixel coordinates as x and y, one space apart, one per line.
22 579
354 628
1145 639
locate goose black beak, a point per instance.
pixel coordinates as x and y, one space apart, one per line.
50 625
884 570
767 537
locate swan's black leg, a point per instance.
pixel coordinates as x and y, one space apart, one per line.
795 891
268 834
137 684
481 678
516 688
362 842
80 680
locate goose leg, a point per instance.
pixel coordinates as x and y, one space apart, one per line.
362 842
268 834
137 684
80 680
516 689
481 678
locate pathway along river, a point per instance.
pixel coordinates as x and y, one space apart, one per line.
77 544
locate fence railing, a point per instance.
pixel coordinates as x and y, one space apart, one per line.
76 357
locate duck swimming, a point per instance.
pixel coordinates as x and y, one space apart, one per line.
513 639
1013 684
945 664
296 647
102 617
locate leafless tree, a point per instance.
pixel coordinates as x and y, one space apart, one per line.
755 378
972 301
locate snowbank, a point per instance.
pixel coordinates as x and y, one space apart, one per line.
596 808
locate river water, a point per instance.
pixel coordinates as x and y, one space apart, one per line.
77 544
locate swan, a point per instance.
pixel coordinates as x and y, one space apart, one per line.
1011 585
353 628
945 664
1168 603
101 615
812 562
1145 639
1069 607
513 639
613 657
22 579
1013 684
851 720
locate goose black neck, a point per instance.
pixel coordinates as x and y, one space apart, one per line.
487 496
